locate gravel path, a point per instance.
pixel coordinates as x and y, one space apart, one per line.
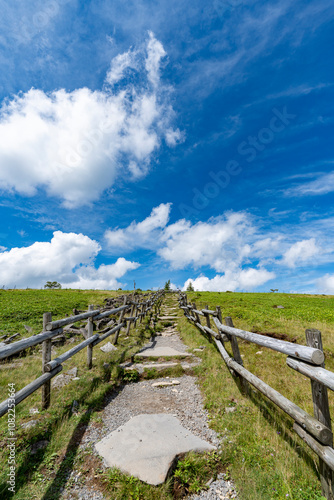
221 489
173 341
183 401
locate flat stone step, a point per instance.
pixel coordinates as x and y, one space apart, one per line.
141 367
147 446
160 352
167 318
166 383
167 332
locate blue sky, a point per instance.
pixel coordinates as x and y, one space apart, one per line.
174 140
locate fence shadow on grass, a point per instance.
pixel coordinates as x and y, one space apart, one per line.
63 474
283 427
31 463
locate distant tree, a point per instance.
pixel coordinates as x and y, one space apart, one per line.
167 285
51 285
274 290
190 287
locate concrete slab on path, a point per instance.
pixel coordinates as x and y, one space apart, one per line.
160 352
147 446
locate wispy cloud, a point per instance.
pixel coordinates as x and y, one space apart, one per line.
324 184
291 91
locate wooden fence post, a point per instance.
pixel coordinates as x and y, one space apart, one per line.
196 315
219 316
155 318
234 342
46 357
135 314
90 328
142 312
322 413
236 353
207 317
129 322
121 316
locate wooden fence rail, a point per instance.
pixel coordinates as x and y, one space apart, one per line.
53 328
315 430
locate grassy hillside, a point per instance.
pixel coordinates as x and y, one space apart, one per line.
26 307
257 311
266 458
260 452
41 475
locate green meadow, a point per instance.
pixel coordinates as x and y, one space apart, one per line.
260 451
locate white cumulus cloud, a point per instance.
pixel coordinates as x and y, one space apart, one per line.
325 284
75 144
219 243
245 279
140 234
300 252
68 258
236 245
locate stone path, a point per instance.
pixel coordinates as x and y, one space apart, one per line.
136 410
148 444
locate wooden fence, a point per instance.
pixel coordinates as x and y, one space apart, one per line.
315 430
134 308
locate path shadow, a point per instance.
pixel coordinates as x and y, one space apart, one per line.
153 343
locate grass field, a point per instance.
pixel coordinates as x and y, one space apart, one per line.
265 457
26 307
260 452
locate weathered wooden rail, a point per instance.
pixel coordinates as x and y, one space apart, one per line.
315 430
134 308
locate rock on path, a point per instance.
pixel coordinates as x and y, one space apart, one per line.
147 445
